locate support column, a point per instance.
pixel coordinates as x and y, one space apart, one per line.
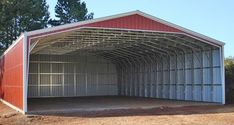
122 81
162 80
138 78
151 73
38 79
74 76
130 78
86 76
63 80
145 79
202 75
169 76
51 80
176 77
192 75
184 72
211 75
156 77
222 68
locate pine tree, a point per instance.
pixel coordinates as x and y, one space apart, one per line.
69 11
18 16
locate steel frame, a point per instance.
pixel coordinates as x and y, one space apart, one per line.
149 64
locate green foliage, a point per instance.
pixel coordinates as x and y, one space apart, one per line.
229 79
18 16
69 11
229 69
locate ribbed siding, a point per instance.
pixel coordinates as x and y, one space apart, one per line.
64 76
11 80
194 77
179 78
134 22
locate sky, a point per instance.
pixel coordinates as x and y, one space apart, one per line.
213 18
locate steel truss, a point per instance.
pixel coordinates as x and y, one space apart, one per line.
149 64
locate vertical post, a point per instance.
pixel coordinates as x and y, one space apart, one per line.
26 56
222 68
156 78
119 77
120 69
97 84
146 77
63 79
162 82
184 70
128 73
176 77
211 75
202 81
134 77
192 74
126 79
86 76
130 78
169 76
123 80
142 79
106 74
151 82
149 85
74 76
138 78
51 80
38 79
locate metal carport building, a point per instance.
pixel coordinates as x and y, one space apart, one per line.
129 54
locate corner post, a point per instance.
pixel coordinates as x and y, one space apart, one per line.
25 73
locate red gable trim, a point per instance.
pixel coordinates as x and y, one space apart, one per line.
136 22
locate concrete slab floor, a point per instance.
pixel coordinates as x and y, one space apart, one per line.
100 103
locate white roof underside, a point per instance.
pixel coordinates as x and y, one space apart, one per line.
117 44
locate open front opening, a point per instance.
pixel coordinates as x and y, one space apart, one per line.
113 62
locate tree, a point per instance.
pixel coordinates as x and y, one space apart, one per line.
229 78
18 16
69 11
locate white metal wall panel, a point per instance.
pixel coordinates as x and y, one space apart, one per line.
189 92
65 76
192 76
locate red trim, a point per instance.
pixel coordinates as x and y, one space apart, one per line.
134 22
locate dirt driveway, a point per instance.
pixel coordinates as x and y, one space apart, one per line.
193 115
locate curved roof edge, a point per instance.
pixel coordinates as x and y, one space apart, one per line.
196 34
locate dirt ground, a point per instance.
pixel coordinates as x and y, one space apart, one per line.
192 115
100 103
